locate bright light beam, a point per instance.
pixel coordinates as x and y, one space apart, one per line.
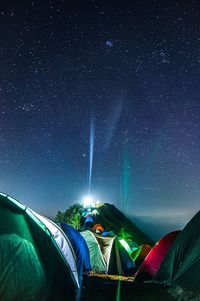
91 152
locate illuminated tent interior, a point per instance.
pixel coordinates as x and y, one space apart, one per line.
37 260
113 258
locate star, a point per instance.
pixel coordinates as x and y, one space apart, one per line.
109 43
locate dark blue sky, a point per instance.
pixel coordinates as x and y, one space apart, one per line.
134 68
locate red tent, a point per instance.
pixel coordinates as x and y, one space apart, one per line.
155 257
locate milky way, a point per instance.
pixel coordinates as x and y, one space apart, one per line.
134 66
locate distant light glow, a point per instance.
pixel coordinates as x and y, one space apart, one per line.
94 212
88 201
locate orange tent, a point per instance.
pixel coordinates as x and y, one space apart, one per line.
139 255
98 227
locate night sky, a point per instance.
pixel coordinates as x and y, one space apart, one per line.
127 70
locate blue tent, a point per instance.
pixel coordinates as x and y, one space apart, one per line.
80 248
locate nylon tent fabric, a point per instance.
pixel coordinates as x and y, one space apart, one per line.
18 219
62 242
22 275
116 257
96 258
80 248
152 262
140 254
114 254
106 244
127 264
181 265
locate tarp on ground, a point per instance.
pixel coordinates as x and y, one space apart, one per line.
181 266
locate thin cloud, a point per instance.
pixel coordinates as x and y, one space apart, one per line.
151 188
113 124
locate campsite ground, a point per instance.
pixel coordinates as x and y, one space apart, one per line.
99 289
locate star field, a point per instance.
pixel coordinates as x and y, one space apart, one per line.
134 66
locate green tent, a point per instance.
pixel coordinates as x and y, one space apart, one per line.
107 254
181 266
22 274
37 261
97 261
